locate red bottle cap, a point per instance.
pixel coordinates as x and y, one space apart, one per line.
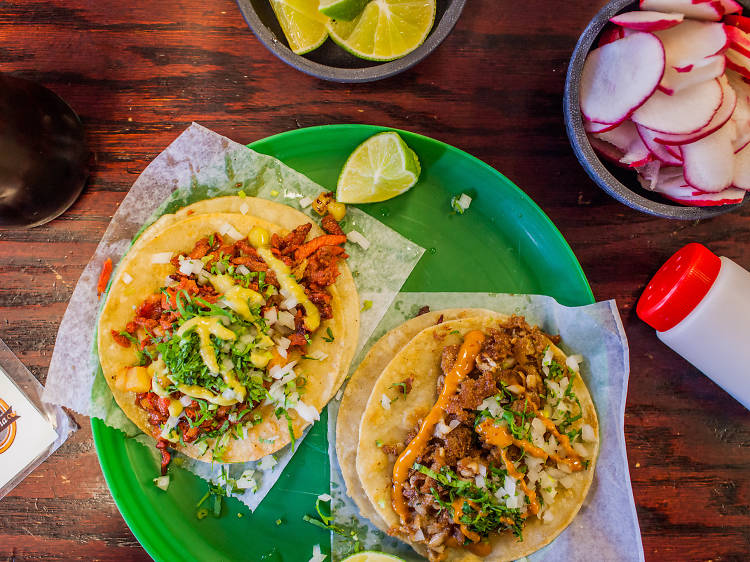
678 287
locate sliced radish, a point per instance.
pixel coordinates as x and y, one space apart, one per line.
607 151
692 41
710 68
628 141
738 39
610 34
684 112
738 62
591 127
741 115
738 21
660 151
647 21
724 114
730 196
712 11
619 77
731 7
709 162
742 169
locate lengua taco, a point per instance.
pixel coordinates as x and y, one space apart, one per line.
224 335
478 440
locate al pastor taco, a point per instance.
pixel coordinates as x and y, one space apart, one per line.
224 335
478 440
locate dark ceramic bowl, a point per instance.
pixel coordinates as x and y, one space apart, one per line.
331 62
619 183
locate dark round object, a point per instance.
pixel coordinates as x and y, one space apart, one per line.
619 183
331 62
43 154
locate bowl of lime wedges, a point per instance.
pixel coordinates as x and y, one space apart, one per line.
351 40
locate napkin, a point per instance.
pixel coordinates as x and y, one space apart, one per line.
607 524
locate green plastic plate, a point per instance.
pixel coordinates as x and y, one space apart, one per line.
503 243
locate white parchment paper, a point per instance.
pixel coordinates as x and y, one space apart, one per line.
201 164
606 529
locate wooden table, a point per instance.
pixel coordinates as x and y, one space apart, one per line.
138 72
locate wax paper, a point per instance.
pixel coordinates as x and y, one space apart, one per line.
201 164
606 528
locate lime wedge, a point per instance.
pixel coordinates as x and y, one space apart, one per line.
380 168
345 10
303 25
386 29
372 556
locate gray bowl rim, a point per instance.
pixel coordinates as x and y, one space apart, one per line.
590 161
351 75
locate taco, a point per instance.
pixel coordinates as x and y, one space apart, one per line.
224 335
478 440
358 391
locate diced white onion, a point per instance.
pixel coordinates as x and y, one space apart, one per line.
573 362
162 482
286 319
289 303
358 238
306 412
305 202
243 270
482 468
568 481
244 208
441 430
127 278
169 282
464 201
283 342
271 315
548 516
547 359
318 355
492 405
419 535
479 481
282 352
229 394
247 480
232 417
581 449
325 497
317 555
453 425
162 257
228 229
186 401
220 267
287 378
267 463
278 372
587 433
385 402
190 267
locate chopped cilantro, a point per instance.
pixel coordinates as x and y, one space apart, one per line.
367 305
378 443
329 335
325 522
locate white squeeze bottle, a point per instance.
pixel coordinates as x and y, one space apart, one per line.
699 304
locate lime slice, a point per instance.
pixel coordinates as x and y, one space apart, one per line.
372 556
380 168
386 29
345 10
303 25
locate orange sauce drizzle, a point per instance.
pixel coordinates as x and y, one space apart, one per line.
458 507
515 473
464 364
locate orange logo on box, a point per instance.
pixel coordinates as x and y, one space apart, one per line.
7 426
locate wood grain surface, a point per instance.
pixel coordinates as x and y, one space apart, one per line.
138 72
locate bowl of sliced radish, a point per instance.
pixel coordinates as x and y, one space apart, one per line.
657 105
